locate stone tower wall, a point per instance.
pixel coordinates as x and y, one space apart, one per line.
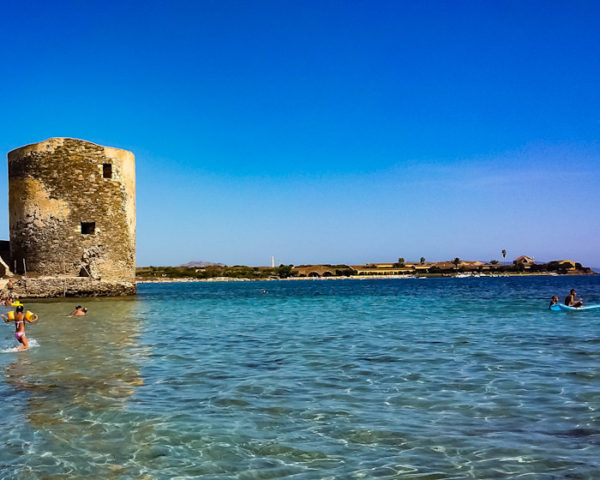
72 210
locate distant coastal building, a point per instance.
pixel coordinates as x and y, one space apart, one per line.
315 270
568 264
524 262
381 265
72 218
471 264
453 268
382 269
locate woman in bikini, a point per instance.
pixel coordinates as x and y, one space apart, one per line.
20 320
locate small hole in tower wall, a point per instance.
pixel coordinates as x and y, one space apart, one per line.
88 228
107 170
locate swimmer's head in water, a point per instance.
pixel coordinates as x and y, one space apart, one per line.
19 309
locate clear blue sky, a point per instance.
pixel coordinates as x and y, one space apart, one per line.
324 131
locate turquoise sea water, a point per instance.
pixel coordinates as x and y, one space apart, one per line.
393 379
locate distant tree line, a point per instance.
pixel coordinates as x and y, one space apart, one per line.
287 271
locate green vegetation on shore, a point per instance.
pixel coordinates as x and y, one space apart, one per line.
214 271
456 267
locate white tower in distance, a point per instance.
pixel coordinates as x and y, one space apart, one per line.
272 262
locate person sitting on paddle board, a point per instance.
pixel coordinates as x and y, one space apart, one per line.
572 301
20 318
553 302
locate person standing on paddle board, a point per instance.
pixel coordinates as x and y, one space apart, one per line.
572 301
20 318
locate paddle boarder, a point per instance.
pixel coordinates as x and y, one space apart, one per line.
572 300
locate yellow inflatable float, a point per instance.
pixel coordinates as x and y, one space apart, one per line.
28 315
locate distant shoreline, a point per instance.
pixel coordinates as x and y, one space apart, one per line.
355 277
522 266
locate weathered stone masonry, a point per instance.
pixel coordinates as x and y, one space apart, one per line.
72 214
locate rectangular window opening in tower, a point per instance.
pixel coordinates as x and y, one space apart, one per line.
107 170
88 228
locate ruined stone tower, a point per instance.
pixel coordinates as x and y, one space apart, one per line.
72 212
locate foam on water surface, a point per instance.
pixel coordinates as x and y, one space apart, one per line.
33 343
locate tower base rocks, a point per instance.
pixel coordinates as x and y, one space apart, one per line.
49 287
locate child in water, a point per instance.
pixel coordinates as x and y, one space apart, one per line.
20 320
553 302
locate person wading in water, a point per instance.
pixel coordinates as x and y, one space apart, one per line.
20 319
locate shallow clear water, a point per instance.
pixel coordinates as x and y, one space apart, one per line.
436 378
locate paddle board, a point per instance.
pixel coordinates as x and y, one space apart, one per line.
561 306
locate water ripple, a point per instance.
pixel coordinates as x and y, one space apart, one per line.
442 378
